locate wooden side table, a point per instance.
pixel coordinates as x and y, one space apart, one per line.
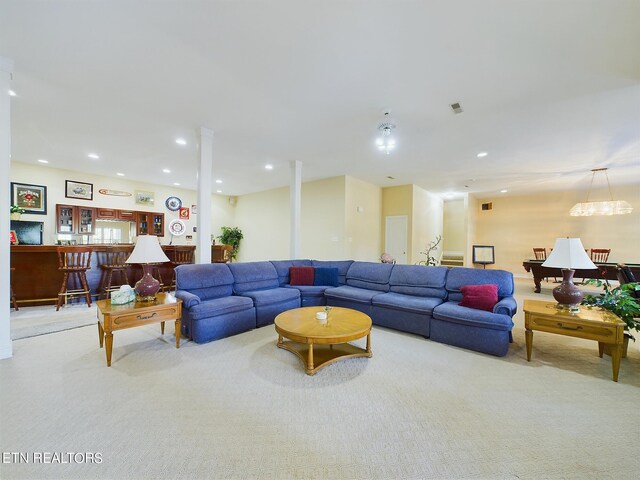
591 324
118 317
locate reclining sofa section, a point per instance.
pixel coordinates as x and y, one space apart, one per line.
225 299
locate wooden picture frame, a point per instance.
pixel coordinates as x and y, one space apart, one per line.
13 237
484 254
145 198
31 198
81 190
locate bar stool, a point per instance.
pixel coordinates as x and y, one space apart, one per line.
113 261
182 255
13 295
74 261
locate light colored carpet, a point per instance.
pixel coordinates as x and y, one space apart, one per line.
34 321
242 408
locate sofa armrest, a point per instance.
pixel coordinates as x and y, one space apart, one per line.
188 298
506 306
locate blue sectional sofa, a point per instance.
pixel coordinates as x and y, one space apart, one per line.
226 299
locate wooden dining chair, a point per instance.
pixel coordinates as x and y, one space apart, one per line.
74 262
600 255
540 253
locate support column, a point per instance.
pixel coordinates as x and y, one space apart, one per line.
6 71
205 170
295 189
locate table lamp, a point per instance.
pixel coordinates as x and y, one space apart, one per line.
568 254
147 252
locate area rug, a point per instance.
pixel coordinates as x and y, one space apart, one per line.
34 321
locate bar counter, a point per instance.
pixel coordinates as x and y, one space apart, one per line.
36 279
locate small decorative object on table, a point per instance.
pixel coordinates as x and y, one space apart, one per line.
386 258
126 294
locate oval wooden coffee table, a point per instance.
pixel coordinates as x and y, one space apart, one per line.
319 345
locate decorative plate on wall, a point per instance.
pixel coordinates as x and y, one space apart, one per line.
173 203
177 227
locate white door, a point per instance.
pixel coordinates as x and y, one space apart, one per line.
395 235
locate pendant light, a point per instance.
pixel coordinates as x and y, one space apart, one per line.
609 207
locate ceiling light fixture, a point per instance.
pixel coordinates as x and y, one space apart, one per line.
504 191
95 156
120 174
608 207
386 142
12 93
177 184
181 141
41 160
268 166
166 170
218 191
218 181
482 154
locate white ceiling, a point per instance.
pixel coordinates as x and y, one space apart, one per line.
551 89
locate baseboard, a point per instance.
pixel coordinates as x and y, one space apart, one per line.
6 351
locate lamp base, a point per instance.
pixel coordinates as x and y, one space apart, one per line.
147 287
567 294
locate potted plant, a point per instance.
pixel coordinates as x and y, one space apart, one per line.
622 301
431 247
231 236
16 212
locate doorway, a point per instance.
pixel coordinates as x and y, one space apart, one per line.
395 237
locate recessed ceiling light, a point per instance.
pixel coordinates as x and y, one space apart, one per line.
12 93
120 174
41 160
176 184
218 191
166 170
218 181
94 156
181 141
268 166
482 154
504 191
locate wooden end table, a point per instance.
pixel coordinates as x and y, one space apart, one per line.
591 324
118 317
319 345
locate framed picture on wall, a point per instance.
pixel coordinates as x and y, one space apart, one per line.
145 198
73 189
31 198
484 254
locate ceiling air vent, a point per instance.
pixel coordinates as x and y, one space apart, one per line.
456 107
487 206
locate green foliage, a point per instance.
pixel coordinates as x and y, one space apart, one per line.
16 209
231 236
619 300
432 246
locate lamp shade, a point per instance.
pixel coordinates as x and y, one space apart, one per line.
147 250
569 253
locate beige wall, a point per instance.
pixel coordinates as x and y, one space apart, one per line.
516 224
363 220
471 206
454 234
54 180
398 201
426 223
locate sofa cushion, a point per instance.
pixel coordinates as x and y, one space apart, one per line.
341 265
273 295
369 275
251 276
481 297
209 280
407 303
419 280
460 276
452 312
346 292
310 290
282 267
301 275
327 276
220 306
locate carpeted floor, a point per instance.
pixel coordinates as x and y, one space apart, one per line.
34 321
241 408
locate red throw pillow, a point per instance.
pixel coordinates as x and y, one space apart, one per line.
481 297
301 275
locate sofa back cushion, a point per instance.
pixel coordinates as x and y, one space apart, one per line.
419 281
458 277
326 277
209 280
369 275
301 275
250 276
283 266
480 297
341 265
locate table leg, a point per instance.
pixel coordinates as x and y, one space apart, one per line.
310 359
616 354
178 331
280 340
162 328
100 334
108 337
536 281
369 343
529 337
600 349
